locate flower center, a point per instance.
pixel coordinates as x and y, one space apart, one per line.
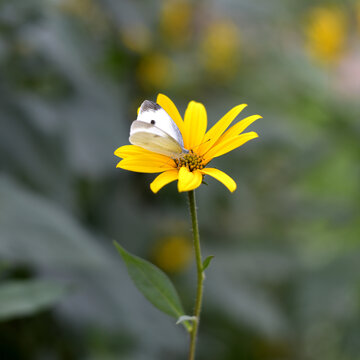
191 160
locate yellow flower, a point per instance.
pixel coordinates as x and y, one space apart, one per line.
155 71
136 37
175 22
220 49
203 146
358 15
88 11
173 254
326 34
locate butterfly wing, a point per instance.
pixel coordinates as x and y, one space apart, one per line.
152 113
156 131
154 139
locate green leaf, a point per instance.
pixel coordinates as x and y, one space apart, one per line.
152 283
20 298
207 261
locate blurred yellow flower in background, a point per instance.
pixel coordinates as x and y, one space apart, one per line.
326 33
86 10
155 71
173 254
175 21
220 49
136 37
358 16
203 147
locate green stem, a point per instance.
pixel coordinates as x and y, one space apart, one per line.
200 274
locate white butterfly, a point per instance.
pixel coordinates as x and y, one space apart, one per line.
156 131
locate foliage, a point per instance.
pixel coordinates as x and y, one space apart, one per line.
285 281
21 298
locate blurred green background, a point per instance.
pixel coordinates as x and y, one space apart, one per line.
285 281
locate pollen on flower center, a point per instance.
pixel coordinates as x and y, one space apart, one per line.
191 160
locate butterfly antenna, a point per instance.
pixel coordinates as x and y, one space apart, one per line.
201 143
175 160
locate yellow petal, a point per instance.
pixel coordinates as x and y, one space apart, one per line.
171 109
146 164
189 180
217 130
225 146
195 123
146 156
164 179
222 177
129 150
239 127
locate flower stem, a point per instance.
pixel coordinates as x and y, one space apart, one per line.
200 274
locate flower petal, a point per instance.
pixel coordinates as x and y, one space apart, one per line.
189 180
130 150
146 155
217 130
224 147
195 123
171 109
146 164
222 177
164 179
239 127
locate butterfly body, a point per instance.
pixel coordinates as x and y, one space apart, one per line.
156 131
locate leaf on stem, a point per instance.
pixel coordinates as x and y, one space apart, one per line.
206 262
153 284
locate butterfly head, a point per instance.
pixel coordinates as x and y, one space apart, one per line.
156 131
